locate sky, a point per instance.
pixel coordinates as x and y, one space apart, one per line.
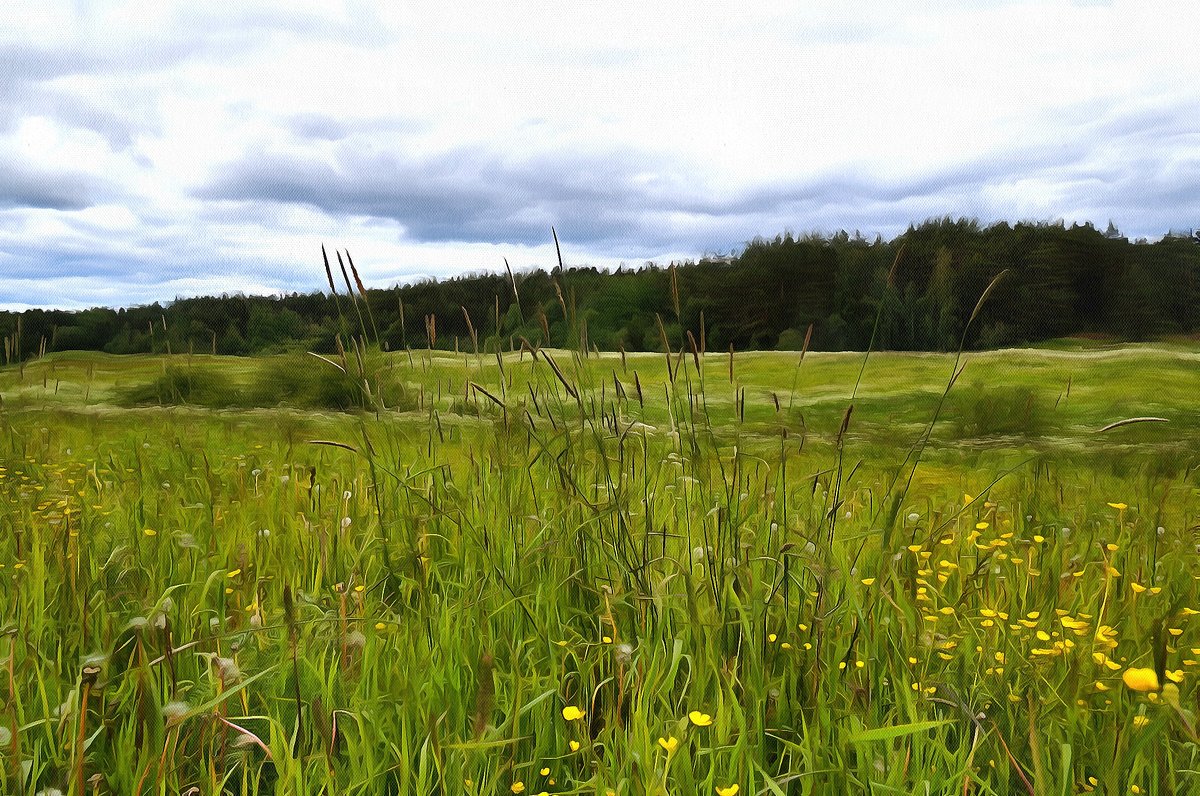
150 151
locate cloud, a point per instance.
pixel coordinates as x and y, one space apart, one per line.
624 200
22 186
468 194
173 147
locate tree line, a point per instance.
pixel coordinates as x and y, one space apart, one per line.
914 292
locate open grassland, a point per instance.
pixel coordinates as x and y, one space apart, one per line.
574 574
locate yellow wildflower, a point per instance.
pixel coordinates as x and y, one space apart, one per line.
670 744
1106 635
1140 679
700 719
572 713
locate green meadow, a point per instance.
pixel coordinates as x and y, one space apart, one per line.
423 572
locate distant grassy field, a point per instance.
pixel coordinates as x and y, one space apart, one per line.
601 575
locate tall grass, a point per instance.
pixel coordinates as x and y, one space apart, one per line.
412 601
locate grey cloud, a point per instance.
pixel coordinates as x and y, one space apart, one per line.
25 63
88 267
465 195
247 23
616 202
97 47
323 127
120 126
24 187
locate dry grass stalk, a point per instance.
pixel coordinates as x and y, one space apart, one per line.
666 344
471 329
675 292
513 280
328 272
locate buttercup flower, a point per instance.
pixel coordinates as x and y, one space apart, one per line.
1140 679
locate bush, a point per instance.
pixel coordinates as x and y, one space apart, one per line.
297 380
985 411
305 382
190 386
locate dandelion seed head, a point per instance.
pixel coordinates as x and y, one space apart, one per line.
174 711
228 669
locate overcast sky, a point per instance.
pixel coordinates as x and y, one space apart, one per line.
155 150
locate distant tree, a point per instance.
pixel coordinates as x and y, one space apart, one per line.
922 286
232 341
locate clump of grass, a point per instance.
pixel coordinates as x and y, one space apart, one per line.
306 382
291 380
185 385
990 410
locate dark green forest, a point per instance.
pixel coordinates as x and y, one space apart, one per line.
922 286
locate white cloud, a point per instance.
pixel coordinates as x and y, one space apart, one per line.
150 151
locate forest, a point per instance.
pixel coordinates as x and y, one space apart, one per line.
827 289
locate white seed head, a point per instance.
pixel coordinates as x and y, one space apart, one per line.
174 712
228 670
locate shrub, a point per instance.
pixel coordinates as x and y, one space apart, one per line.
304 382
985 411
185 385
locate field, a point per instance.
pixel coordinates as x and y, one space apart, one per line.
601 574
